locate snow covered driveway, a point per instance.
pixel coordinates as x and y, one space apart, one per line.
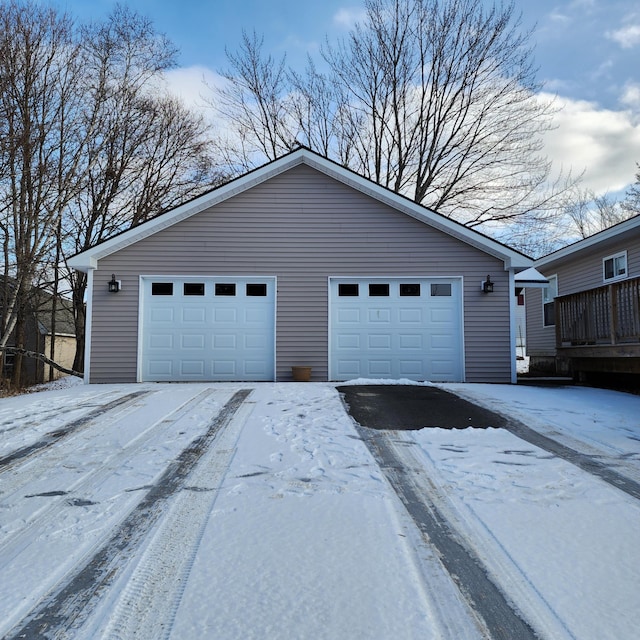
257 511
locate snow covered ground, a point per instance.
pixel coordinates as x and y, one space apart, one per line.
188 511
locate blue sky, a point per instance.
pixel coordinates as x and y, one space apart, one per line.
587 51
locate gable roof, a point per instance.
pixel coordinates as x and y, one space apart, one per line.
89 259
65 325
531 278
610 235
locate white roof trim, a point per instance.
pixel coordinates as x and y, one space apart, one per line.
89 259
581 245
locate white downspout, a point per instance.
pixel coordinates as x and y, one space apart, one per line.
512 325
87 326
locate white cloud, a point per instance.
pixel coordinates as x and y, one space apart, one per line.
347 17
192 84
582 4
631 96
627 37
559 18
602 142
571 12
296 49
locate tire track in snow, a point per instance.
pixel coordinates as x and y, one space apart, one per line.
486 599
599 458
68 608
53 437
581 460
148 602
18 540
43 411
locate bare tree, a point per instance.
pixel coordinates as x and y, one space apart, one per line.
448 94
434 100
90 144
631 203
175 163
149 151
313 107
581 212
40 116
587 213
253 102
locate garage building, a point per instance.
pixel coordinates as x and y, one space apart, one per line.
300 263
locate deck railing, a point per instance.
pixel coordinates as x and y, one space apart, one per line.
608 315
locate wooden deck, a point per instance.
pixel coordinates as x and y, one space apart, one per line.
599 329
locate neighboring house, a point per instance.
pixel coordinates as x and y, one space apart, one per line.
38 334
300 263
588 318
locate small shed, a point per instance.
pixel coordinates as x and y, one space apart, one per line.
300 262
40 330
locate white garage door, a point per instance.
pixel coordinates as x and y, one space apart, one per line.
207 329
396 328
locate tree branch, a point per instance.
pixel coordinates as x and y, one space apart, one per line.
39 356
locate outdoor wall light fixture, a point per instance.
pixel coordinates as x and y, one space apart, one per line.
114 285
487 285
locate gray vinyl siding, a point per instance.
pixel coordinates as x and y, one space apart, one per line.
585 271
302 227
577 272
541 340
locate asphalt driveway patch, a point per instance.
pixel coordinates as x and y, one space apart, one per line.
411 407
